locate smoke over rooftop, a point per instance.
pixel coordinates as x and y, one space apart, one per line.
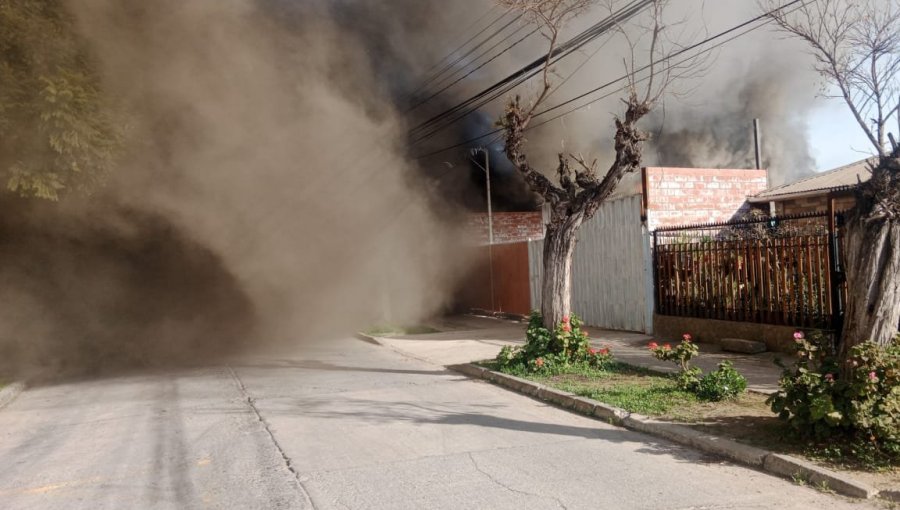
267 192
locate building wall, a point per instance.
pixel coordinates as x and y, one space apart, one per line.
509 227
678 196
501 288
812 204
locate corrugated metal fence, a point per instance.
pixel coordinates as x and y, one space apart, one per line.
611 271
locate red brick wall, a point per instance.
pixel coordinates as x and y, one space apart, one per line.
676 196
509 227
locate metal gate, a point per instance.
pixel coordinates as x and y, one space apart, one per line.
611 272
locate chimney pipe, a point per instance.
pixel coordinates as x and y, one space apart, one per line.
757 144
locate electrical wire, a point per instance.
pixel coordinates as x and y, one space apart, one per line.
431 73
720 35
461 110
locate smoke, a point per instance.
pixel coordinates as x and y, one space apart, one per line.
264 195
267 191
713 128
706 118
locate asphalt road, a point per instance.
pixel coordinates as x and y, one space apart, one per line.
346 425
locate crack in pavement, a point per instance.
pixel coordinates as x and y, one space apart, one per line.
287 460
510 489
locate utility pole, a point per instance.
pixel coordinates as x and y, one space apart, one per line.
487 173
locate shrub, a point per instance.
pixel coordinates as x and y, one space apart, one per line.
552 351
721 384
687 376
862 405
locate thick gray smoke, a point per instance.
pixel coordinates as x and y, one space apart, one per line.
264 194
760 76
706 118
267 193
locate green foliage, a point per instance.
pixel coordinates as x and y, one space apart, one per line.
721 384
687 377
551 352
862 406
56 132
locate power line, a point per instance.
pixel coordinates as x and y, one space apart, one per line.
431 73
732 30
444 119
475 70
462 57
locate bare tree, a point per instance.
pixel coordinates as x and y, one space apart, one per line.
580 191
856 46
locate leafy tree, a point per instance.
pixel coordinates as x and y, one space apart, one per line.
856 46
56 131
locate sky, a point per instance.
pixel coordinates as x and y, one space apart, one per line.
834 136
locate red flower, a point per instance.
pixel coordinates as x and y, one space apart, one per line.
667 347
604 351
798 335
539 362
829 377
565 319
653 345
687 337
873 377
592 351
566 328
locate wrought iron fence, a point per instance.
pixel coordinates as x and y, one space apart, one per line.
766 270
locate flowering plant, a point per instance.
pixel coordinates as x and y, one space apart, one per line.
819 398
681 354
549 351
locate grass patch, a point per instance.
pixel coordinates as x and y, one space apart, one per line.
634 389
397 330
747 419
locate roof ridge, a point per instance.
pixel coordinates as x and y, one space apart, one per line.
816 176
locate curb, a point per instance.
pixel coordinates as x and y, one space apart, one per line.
10 392
783 466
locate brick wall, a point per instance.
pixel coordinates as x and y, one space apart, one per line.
676 196
509 227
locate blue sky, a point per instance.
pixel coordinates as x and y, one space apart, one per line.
835 138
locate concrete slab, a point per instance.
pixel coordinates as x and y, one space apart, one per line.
740 345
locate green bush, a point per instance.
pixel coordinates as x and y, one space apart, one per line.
550 352
863 405
687 377
721 384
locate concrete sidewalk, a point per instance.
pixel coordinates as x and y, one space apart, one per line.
467 338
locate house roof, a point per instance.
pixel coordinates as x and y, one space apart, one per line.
842 178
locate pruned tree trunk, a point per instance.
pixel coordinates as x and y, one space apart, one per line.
559 250
873 259
577 193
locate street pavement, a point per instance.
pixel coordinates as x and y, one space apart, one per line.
346 424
